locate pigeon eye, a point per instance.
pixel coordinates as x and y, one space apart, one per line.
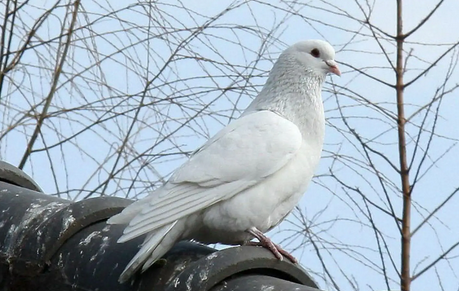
315 53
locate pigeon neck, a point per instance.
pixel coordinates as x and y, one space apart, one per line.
294 94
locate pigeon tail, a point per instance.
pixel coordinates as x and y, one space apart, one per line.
155 245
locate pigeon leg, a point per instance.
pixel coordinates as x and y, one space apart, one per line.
265 242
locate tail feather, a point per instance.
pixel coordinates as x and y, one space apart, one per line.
156 244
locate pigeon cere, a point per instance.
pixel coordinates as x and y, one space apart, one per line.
248 177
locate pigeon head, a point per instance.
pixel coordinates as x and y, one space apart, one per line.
315 55
293 88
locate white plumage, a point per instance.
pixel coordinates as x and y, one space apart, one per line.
250 175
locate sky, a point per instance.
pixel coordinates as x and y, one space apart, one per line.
336 215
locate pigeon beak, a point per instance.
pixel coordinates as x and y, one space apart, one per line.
333 67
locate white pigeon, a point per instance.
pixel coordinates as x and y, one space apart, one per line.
250 175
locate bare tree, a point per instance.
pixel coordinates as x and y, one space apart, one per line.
121 88
384 172
104 98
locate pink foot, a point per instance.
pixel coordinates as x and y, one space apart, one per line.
265 242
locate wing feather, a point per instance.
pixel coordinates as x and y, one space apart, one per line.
238 157
147 222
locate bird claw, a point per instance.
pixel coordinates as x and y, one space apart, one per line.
266 242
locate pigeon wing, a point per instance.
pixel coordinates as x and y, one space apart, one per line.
241 155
